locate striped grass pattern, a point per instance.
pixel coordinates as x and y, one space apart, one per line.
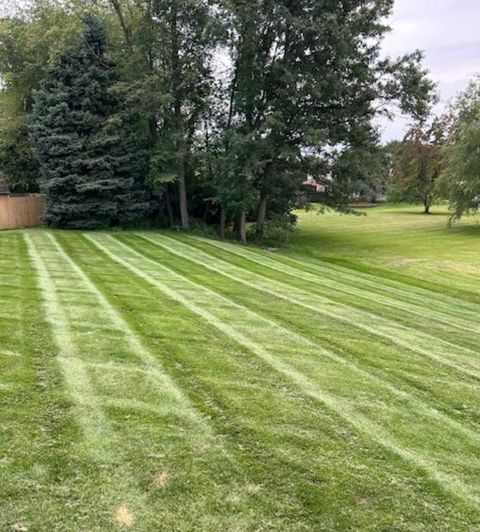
275 345
195 385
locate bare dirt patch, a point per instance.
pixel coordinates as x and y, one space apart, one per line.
124 516
160 480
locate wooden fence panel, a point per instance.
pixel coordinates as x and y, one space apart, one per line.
21 211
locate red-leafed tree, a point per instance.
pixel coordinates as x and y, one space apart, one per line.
418 162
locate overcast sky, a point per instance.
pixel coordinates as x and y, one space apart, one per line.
449 33
447 30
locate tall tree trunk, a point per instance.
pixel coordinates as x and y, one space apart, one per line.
223 220
182 197
427 203
126 31
240 227
206 212
261 215
262 205
168 206
177 106
243 228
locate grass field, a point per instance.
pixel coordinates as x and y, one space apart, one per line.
162 381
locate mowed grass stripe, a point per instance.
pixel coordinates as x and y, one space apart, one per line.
445 305
455 398
448 325
12 348
266 423
153 368
411 290
440 314
90 415
9 353
195 298
415 341
339 282
177 428
32 441
226 270
10 305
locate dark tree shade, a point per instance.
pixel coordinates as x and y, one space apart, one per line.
91 173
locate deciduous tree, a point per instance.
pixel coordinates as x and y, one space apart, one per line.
460 181
417 164
308 78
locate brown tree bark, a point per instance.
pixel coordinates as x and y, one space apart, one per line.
262 204
243 228
177 107
126 31
427 204
240 227
182 197
206 211
168 206
223 220
261 215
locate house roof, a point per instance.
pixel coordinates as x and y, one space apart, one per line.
3 185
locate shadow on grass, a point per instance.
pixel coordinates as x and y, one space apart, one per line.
465 230
416 212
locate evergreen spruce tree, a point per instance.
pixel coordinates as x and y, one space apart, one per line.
91 173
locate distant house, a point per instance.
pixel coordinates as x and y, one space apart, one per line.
315 185
4 190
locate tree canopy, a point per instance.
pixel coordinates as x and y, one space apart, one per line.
234 103
460 181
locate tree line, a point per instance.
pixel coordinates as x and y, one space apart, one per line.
180 111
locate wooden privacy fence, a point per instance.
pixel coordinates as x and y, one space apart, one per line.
21 211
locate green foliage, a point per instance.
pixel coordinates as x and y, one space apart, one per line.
277 230
29 46
17 160
169 46
307 79
461 178
359 172
405 81
91 172
235 102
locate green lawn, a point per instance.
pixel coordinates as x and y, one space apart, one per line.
160 381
